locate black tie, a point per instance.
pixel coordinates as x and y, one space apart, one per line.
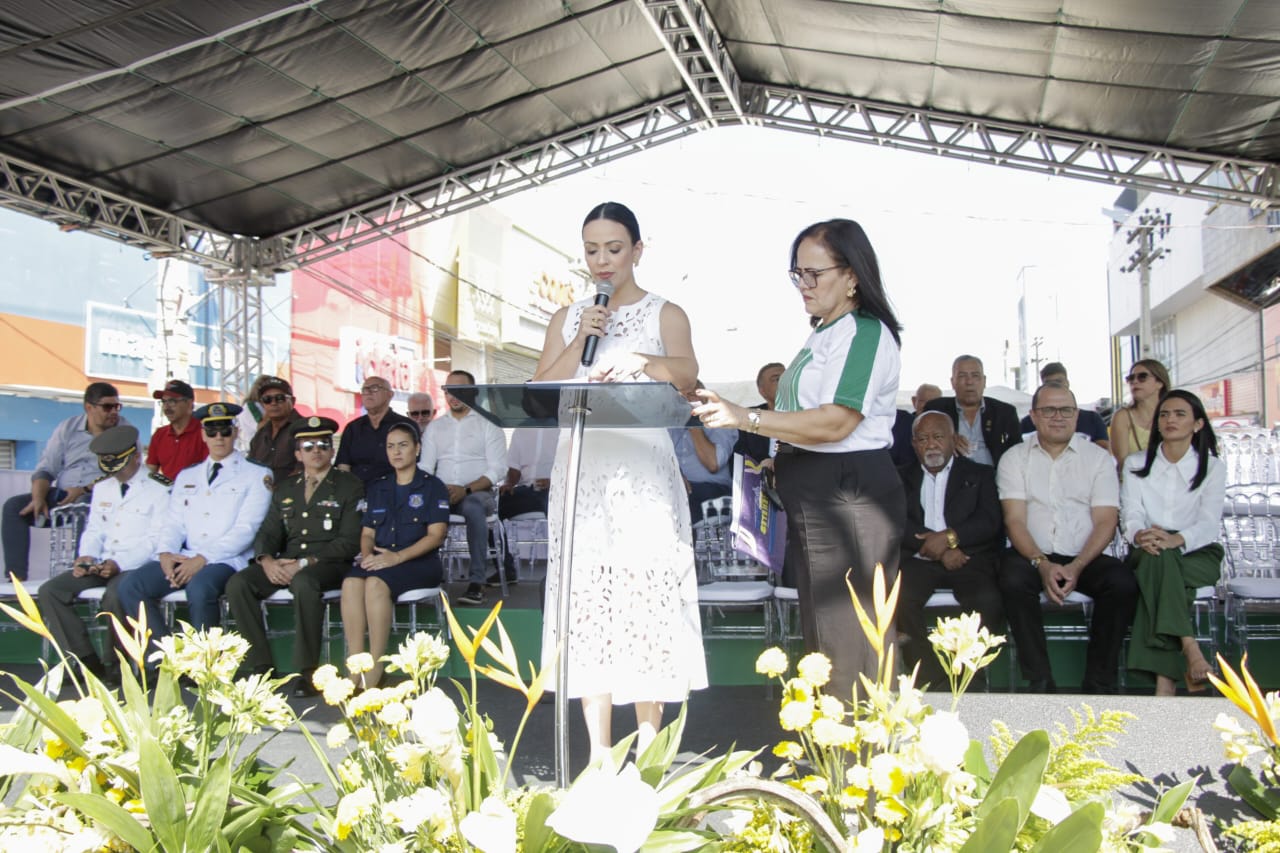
213 472
124 489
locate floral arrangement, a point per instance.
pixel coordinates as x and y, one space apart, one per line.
422 771
1260 788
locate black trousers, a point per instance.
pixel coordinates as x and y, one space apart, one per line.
975 588
845 513
1114 589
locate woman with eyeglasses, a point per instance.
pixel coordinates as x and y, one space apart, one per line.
406 518
833 420
636 634
1170 509
1131 425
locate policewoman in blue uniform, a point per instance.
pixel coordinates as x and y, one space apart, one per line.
214 512
405 521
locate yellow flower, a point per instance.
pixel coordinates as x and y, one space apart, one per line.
338 690
359 663
815 668
352 809
827 732
853 798
789 749
796 715
393 714
338 736
831 708
56 748
887 775
813 785
351 774
890 811
367 702
772 662
859 776
324 676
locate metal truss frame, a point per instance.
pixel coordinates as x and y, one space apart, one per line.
239 301
627 133
1150 167
689 36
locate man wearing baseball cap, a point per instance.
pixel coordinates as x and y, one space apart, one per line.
179 444
125 514
306 544
272 444
213 514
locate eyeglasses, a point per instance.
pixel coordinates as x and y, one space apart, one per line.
215 430
274 398
108 407
374 389
173 401
1056 411
421 413
307 446
807 278
1140 376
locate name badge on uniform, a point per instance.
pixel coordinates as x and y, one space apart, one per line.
328 524
416 501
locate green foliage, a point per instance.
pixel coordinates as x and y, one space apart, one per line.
770 830
1255 836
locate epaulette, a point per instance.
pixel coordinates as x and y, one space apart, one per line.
160 478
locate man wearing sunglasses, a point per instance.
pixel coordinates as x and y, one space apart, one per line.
272 444
180 444
66 461
305 545
214 512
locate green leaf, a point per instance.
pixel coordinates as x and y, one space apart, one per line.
211 805
1020 775
677 788
975 763
996 830
1260 797
1172 801
674 841
1081 832
114 818
536 833
52 716
162 795
657 758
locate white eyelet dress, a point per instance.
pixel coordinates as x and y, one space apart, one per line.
634 627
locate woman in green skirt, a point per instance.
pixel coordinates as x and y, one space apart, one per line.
1171 511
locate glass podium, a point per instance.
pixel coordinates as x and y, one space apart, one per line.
575 406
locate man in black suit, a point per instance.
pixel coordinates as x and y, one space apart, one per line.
951 540
985 427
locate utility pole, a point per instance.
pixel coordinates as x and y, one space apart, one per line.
1036 343
1152 226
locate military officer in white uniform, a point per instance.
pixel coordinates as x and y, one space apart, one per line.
215 509
119 536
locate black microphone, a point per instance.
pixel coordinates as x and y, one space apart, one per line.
604 289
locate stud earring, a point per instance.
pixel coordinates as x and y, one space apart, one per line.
849 293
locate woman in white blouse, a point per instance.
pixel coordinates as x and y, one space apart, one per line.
1171 510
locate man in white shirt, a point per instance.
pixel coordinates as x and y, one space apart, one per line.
469 454
125 513
529 461
1061 498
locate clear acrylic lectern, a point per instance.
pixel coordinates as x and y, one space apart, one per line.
575 406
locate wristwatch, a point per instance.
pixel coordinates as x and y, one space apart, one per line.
753 420
304 562
1037 560
953 541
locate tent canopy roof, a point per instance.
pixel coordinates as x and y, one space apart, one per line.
253 117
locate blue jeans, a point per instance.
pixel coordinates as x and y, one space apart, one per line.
475 508
148 585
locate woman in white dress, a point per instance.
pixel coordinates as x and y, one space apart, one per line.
635 635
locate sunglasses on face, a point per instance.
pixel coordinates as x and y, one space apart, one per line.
108 407
308 446
173 401
215 430
1138 376
421 413
274 398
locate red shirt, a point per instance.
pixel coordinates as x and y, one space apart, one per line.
175 451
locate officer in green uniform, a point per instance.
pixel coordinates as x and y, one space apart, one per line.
307 542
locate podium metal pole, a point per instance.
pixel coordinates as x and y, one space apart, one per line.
578 407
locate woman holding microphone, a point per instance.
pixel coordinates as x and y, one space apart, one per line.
833 420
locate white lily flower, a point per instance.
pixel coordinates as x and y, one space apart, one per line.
492 829
1050 804
602 808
